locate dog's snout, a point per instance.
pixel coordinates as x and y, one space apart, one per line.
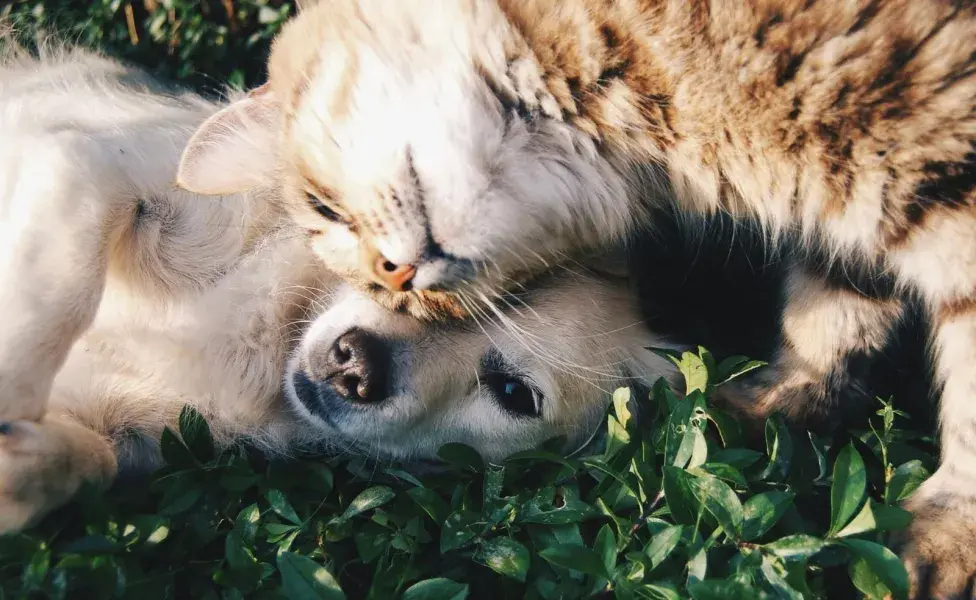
356 366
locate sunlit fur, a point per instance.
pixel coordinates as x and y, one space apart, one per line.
574 340
125 299
484 140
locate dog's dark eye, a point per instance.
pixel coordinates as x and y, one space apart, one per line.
513 394
322 209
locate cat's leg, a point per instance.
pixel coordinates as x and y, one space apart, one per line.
939 259
61 201
830 332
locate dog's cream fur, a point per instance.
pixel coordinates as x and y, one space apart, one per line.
123 299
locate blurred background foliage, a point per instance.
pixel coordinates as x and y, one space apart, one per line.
203 43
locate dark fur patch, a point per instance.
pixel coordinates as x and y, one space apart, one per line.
864 17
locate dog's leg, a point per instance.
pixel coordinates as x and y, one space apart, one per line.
61 200
44 463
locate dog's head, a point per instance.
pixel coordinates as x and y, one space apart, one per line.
382 384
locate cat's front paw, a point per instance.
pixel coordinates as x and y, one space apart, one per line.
938 547
43 464
793 393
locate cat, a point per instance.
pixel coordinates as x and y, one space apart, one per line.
447 151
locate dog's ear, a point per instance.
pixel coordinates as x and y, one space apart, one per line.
235 149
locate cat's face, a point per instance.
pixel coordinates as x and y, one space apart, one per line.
383 384
416 180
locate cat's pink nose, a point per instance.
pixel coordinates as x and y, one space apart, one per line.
398 278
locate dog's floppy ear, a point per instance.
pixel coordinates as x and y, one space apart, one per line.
235 149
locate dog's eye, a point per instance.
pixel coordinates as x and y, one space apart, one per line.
514 395
321 208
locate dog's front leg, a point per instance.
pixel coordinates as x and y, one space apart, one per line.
61 197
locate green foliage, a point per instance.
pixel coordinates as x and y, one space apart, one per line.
204 43
672 508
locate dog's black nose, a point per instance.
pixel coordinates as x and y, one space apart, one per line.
357 367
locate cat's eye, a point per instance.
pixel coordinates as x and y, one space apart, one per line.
513 394
323 209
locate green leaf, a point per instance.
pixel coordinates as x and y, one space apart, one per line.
505 556
695 373
905 480
605 546
740 458
438 588
779 448
541 455
577 558
725 472
494 476
680 437
762 511
174 451
716 589
282 507
735 366
368 499
196 434
459 529
432 503
662 544
679 491
617 437
881 561
461 456
722 503
305 579
866 580
247 522
796 546
653 591
621 398
848 488
775 574
876 517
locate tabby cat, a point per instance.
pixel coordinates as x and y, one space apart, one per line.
441 152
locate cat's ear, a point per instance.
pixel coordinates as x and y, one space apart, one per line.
235 149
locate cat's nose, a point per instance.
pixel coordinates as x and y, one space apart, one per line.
356 367
398 278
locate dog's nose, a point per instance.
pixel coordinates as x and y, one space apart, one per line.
357 367
398 278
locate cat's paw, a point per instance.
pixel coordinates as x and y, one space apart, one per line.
795 394
43 464
938 546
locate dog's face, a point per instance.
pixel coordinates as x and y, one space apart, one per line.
388 386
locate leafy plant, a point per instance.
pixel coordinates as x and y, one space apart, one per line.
204 43
677 507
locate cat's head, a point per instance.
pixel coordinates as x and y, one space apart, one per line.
417 144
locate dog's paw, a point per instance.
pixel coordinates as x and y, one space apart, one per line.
937 548
43 464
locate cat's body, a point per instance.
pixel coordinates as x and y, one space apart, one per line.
507 135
